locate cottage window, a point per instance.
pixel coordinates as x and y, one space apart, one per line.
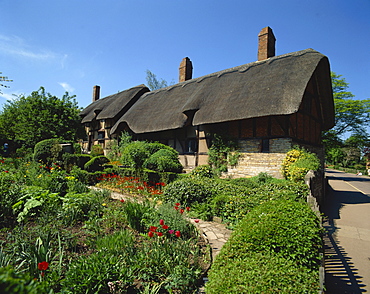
191 146
101 135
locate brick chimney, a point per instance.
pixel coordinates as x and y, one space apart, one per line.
185 70
96 93
266 44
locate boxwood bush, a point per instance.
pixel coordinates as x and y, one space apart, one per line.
163 160
281 236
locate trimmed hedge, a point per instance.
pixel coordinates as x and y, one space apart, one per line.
261 273
230 199
69 160
96 163
281 236
47 151
163 160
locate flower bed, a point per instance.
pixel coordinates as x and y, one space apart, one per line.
57 236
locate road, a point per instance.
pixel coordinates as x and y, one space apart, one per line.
347 242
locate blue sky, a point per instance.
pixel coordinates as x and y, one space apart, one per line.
75 44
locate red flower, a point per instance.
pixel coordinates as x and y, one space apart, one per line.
159 234
177 234
122 200
176 207
181 211
43 266
150 234
153 229
187 208
196 220
177 204
165 227
5 171
161 222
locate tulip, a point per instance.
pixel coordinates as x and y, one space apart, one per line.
43 266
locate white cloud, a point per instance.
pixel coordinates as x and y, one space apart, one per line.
17 47
9 96
67 87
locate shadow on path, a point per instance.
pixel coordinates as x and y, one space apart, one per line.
340 274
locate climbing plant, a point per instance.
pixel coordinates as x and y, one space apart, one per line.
223 153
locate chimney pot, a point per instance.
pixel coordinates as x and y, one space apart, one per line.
266 44
185 70
96 93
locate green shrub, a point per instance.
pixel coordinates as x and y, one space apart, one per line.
242 201
163 160
284 227
96 163
189 190
153 147
47 151
274 249
246 182
260 273
96 150
203 171
134 154
137 153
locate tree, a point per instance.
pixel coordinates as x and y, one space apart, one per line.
39 116
4 79
351 115
153 82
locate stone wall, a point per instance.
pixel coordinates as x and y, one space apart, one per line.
252 161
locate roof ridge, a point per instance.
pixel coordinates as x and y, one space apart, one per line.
241 68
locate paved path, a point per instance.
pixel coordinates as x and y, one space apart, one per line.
347 243
215 233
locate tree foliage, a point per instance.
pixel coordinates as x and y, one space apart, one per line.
153 82
39 116
3 79
351 115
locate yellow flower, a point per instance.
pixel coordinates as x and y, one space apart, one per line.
104 204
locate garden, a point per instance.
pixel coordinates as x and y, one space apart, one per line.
58 235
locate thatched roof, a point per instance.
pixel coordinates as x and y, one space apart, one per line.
270 87
113 105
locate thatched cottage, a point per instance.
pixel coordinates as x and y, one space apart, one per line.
267 106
